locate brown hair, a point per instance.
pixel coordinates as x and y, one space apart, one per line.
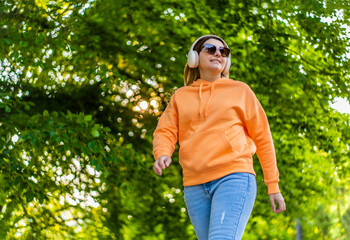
192 74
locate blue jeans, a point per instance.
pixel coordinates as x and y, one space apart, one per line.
220 209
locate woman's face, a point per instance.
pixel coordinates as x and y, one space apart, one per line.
214 64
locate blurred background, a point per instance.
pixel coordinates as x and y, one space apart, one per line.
84 82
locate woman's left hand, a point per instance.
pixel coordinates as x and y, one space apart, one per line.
277 197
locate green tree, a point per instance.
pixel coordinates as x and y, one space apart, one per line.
84 82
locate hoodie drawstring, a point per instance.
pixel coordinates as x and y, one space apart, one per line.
200 99
211 94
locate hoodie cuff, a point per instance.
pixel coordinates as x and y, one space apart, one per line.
273 188
157 155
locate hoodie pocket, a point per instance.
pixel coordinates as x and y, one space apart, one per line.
237 138
204 140
205 149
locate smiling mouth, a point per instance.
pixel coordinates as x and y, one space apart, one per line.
215 60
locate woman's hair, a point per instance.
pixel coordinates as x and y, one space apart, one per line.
192 74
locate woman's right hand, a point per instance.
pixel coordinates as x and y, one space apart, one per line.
161 163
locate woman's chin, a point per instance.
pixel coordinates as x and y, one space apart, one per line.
213 69
216 68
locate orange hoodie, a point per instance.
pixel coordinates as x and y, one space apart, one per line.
219 125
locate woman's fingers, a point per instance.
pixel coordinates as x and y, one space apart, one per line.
273 205
277 197
157 169
281 205
164 161
167 162
161 163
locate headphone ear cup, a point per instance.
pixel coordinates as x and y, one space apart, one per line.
227 67
192 59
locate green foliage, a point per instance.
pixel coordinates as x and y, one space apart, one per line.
76 138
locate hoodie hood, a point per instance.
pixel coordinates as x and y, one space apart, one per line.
199 83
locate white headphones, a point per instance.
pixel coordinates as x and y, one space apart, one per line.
193 58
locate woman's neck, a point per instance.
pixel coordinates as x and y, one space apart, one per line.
209 77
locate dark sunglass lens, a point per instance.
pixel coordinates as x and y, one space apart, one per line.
224 51
211 49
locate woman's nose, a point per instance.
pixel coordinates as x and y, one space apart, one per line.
217 52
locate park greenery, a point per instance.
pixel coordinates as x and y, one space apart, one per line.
83 83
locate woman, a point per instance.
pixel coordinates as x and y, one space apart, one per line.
219 124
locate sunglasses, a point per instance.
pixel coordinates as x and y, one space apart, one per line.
211 49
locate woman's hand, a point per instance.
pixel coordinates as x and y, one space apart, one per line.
161 163
277 197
